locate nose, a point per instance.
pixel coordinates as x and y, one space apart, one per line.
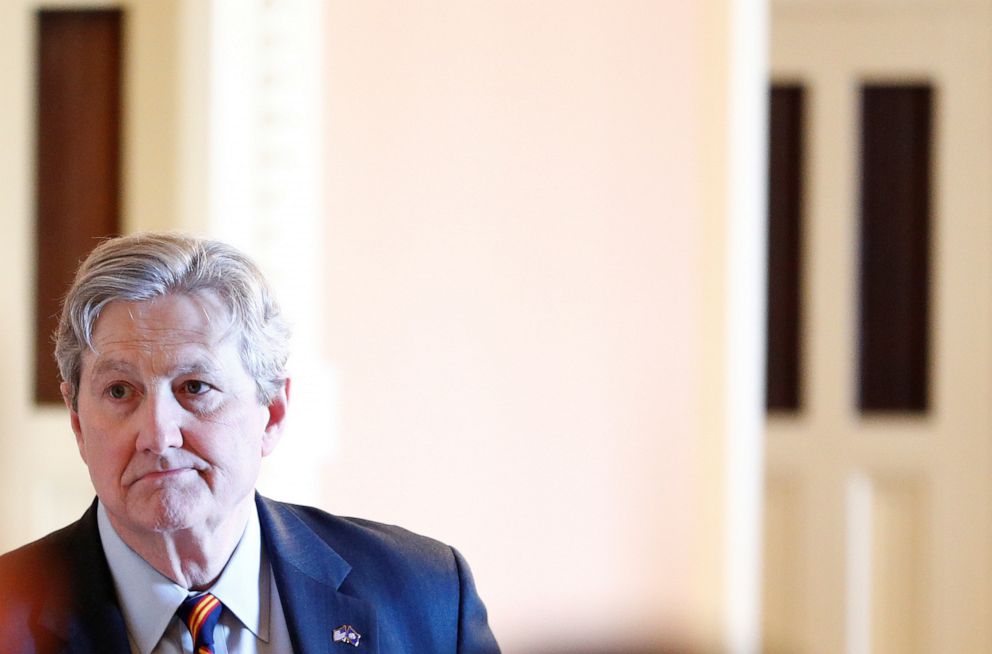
159 421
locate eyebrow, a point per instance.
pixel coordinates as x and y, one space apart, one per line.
197 366
104 366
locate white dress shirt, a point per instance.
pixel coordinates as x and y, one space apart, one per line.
252 621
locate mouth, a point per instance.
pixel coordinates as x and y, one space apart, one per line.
164 475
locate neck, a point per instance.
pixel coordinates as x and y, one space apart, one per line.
194 557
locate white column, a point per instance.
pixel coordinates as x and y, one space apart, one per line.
264 169
732 324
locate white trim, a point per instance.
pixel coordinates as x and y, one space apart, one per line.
745 333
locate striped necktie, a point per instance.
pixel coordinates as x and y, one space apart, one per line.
200 613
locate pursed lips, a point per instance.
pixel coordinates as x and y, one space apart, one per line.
163 472
157 475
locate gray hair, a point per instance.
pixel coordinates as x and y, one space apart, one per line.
150 265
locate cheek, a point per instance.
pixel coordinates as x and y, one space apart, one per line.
238 449
105 455
104 461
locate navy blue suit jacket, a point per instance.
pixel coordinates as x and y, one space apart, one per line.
401 592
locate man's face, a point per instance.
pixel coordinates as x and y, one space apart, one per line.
168 419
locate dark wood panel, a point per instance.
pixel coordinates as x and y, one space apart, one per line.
785 207
78 159
895 247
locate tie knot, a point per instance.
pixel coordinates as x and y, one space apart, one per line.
200 613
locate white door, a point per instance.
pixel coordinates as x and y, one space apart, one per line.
878 526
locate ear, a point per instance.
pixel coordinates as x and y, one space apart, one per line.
77 429
277 419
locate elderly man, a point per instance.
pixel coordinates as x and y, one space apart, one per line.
172 353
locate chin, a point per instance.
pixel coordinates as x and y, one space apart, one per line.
171 512
171 522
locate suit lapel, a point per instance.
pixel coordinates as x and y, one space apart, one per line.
314 610
87 617
97 631
308 574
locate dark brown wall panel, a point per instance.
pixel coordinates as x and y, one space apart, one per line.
895 247
785 205
78 159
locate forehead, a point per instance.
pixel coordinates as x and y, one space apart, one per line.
169 325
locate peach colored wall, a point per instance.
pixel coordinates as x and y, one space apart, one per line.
511 268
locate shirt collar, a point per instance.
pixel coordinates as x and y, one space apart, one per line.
149 600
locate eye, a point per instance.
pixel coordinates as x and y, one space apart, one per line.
119 391
195 387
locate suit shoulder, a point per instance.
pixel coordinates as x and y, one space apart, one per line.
35 577
357 539
39 562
